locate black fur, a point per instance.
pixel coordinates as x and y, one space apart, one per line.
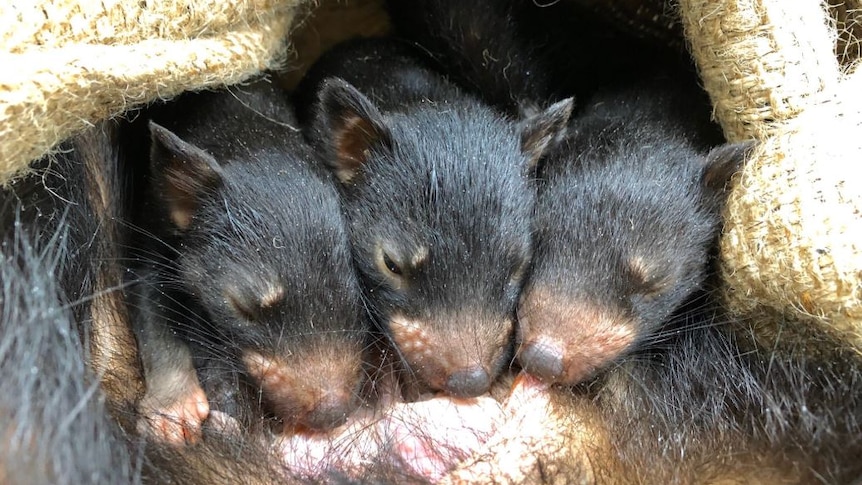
436 192
627 217
481 46
54 420
629 202
260 246
702 403
523 55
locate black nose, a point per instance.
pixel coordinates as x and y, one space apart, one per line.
330 412
470 382
542 361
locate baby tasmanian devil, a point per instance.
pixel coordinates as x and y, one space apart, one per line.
629 201
627 215
437 194
262 248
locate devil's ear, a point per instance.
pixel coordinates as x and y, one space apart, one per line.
722 162
349 126
541 131
183 172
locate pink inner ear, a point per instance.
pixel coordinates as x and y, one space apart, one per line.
353 140
181 197
186 172
187 176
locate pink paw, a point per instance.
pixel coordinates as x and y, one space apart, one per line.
178 422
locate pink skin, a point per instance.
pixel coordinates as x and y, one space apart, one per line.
427 439
435 353
315 389
405 435
174 416
583 335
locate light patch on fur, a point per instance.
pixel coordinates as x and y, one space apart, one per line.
181 217
419 257
272 296
609 340
412 339
249 304
259 366
405 265
281 384
313 387
435 350
651 283
640 268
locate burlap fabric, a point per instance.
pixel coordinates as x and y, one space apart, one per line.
68 63
779 72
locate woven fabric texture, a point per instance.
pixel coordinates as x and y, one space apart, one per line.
785 73
70 63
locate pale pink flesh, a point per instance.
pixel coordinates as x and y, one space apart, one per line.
423 439
174 417
427 439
